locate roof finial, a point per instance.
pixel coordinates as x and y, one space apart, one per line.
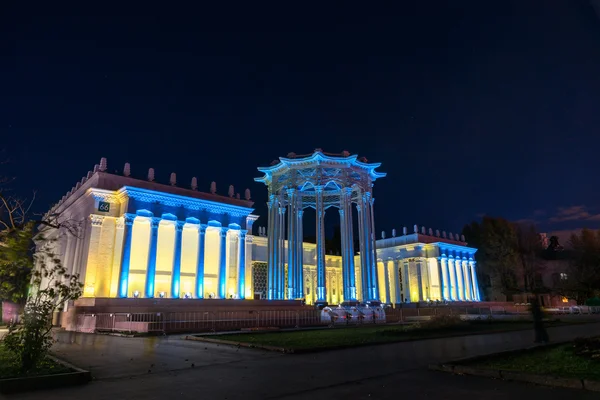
231 191
247 194
127 169
173 179
318 150
430 232
89 175
422 230
404 230
437 232
194 183
96 168
451 236
151 174
213 187
346 153
103 164
462 238
444 234
416 228
237 196
383 234
394 232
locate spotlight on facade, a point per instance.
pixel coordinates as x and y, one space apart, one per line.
161 295
187 295
136 294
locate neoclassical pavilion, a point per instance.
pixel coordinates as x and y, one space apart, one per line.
320 181
138 238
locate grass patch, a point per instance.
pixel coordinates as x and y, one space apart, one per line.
560 361
357 336
9 367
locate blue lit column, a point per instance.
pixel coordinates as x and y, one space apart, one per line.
321 278
453 279
126 255
468 283
151 270
372 249
446 278
396 275
345 275
271 247
291 243
386 271
177 260
299 251
348 275
200 262
223 264
460 278
406 280
281 254
242 266
363 253
419 269
350 245
476 296
442 281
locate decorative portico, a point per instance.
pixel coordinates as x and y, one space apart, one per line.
320 181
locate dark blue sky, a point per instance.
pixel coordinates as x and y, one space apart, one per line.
474 107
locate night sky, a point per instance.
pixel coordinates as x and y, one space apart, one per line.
472 108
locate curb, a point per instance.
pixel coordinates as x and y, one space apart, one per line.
456 367
17 385
342 347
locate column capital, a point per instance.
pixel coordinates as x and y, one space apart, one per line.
300 212
128 218
201 229
319 188
154 222
290 191
96 219
243 233
341 210
179 225
223 232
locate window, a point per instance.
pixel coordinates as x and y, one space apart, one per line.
563 276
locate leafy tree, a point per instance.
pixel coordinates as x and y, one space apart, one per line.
497 255
582 279
16 261
51 287
530 250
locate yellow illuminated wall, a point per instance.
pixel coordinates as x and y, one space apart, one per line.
232 262
189 257
211 261
105 257
381 282
434 280
138 265
413 281
164 258
116 264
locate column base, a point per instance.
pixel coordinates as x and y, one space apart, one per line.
291 293
321 294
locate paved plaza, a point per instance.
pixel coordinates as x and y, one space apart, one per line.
170 367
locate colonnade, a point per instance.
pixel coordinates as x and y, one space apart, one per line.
134 242
291 201
435 278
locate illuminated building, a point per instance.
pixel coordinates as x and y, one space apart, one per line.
132 238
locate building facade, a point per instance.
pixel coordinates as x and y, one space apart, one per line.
134 238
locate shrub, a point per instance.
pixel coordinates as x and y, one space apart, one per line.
51 287
443 322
